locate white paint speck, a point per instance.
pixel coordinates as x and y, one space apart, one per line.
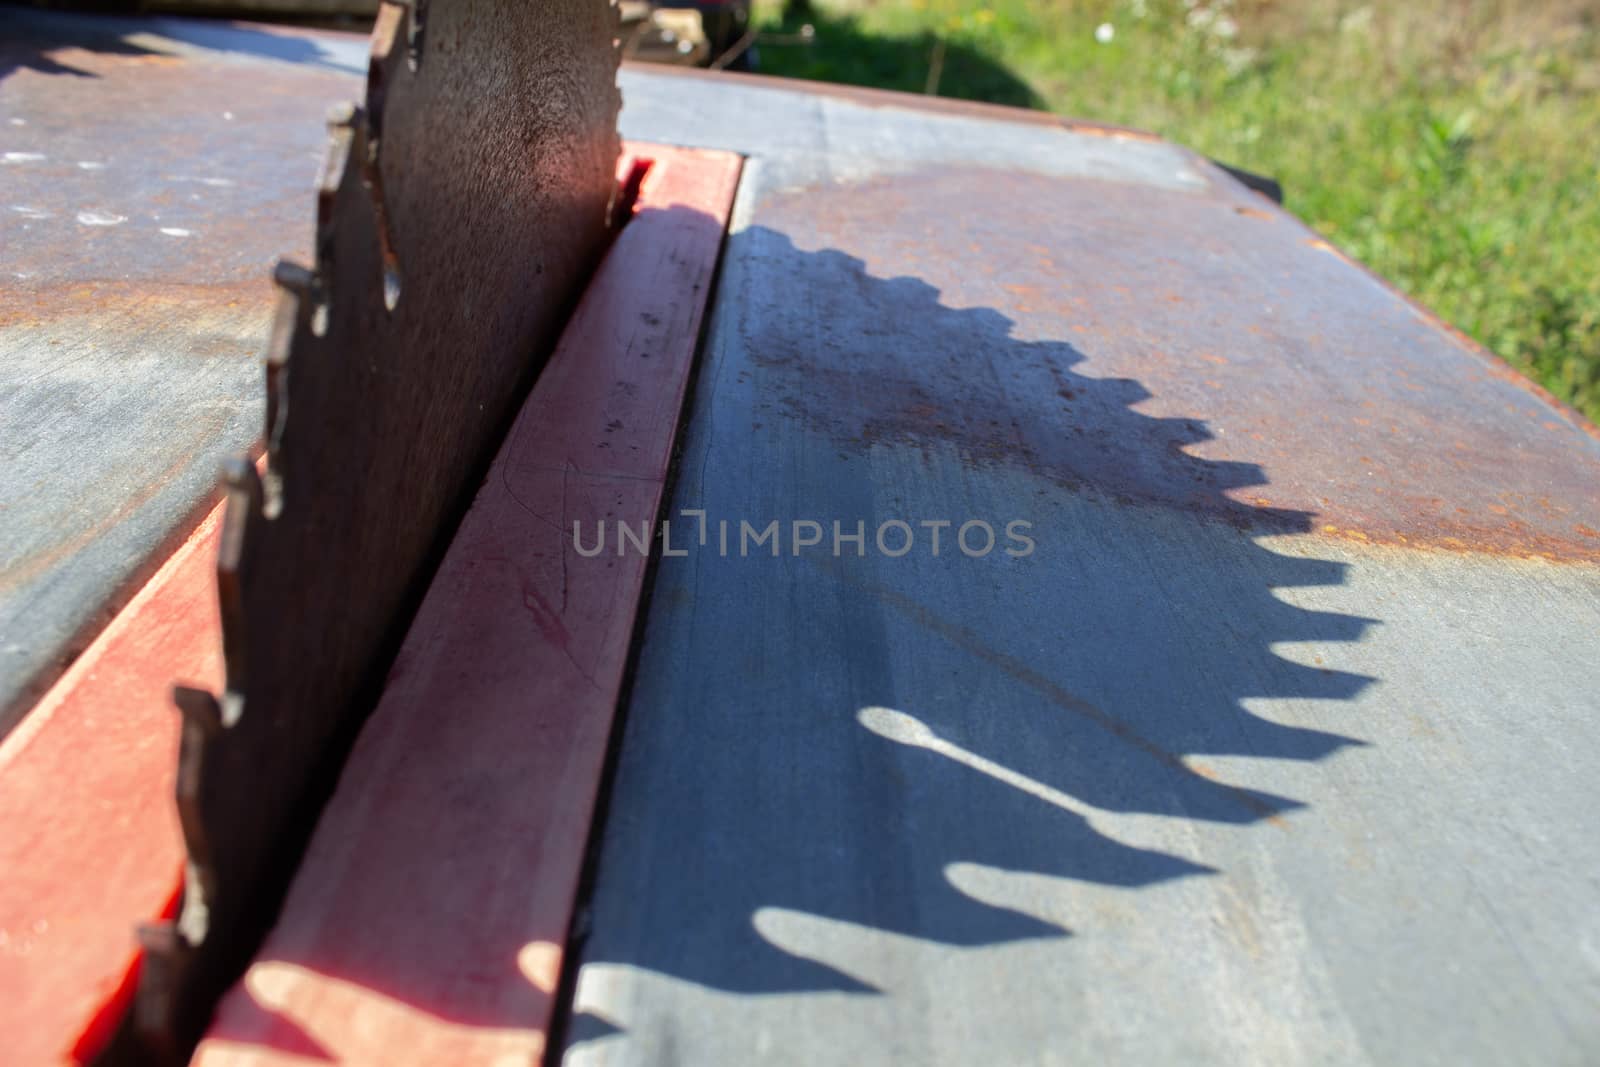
228 115
30 212
89 164
220 183
1105 33
176 231
100 218
19 122
22 157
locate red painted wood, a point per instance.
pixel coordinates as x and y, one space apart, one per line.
89 837
427 922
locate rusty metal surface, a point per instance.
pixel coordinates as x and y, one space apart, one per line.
1374 422
461 209
1279 746
1378 421
149 182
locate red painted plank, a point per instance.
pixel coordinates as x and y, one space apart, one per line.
427 921
89 837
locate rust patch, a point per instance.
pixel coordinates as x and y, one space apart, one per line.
1116 133
135 306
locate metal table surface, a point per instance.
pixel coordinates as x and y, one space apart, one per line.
153 169
1278 747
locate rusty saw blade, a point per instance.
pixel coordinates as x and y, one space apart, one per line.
463 205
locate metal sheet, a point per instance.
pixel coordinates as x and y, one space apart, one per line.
1275 749
149 183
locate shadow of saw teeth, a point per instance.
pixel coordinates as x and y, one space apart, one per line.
487 169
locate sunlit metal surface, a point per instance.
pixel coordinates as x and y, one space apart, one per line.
153 169
1275 749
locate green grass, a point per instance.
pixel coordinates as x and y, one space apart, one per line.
1451 145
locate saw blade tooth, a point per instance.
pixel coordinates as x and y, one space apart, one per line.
383 66
341 135
343 120
167 955
415 14
341 128
244 507
297 292
205 723
297 288
342 123
292 277
332 176
416 32
202 721
242 486
390 61
341 115
277 420
368 146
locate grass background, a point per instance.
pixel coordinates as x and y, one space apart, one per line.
1451 145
